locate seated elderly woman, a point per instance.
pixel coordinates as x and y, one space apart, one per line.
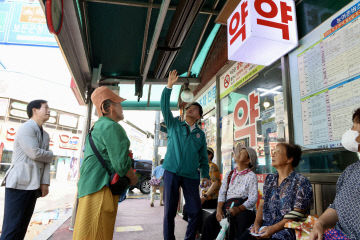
240 187
344 213
284 191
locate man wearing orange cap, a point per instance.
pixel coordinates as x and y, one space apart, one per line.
186 153
96 214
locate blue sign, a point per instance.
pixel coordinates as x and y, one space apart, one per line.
346 14
4 19
207 100
24 24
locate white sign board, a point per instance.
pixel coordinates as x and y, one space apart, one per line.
261 31
237 75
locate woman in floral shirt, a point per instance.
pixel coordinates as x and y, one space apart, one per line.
284 191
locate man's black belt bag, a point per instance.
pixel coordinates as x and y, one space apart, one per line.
118 185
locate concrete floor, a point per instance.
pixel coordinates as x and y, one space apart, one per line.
135 220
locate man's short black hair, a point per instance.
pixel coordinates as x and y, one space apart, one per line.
356 116
198 105
34 104
161 161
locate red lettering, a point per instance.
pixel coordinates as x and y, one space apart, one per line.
273 12
237 18
244 13
242 104
254 109
249 131
235 31
281 26
285 17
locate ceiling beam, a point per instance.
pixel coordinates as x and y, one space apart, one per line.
200 40
180 26
159 24
146 33
128 80
143 52
147 5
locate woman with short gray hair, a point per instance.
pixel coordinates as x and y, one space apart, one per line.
240 188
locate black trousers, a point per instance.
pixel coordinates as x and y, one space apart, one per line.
238 225
208 204
18 209
190 187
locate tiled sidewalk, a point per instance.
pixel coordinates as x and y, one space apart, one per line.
135 220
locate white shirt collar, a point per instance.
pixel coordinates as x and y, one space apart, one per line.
191 127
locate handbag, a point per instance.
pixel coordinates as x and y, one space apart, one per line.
155 182
301 225
118 185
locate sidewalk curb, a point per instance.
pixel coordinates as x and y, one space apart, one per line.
48 232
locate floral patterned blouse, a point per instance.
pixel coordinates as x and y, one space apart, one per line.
347 201
295 191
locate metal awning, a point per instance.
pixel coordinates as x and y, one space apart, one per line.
134 44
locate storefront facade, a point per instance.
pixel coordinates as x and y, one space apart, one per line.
306 97
64 129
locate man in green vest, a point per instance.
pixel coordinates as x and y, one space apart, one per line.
186 155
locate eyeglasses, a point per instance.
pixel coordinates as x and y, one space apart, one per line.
274 151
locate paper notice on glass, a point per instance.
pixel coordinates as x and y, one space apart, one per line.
227 137
226 158
279 108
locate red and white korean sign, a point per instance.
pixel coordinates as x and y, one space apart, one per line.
261 31
246 113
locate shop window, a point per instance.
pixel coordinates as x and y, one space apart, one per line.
311 13
326 162
208 125
5 162
256 110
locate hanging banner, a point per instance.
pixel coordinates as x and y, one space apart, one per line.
238 75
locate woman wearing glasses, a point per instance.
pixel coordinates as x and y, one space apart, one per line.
284 191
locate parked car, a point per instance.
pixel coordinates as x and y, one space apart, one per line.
143 169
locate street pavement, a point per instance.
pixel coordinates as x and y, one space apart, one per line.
48 210
135 220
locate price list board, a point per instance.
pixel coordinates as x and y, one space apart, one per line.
325 80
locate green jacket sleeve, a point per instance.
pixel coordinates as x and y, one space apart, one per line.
204 162
165 107
117 146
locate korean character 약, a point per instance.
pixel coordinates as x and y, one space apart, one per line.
284 11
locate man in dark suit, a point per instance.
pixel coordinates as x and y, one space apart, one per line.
29 175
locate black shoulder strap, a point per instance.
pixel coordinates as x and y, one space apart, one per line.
99 157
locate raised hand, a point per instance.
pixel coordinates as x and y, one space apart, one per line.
172 79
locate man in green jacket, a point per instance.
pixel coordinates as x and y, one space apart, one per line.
186 154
